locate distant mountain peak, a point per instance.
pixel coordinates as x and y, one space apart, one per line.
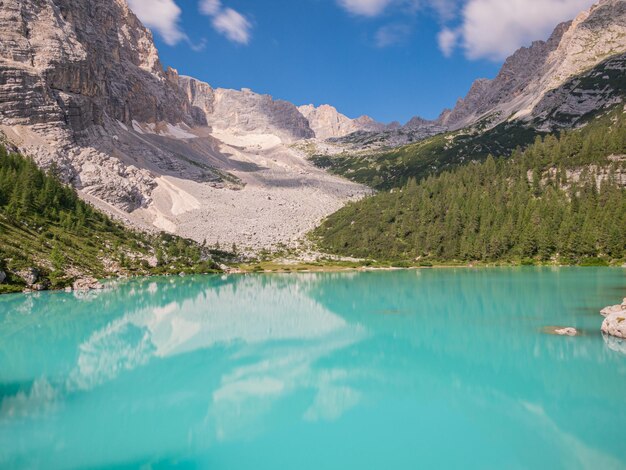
328 123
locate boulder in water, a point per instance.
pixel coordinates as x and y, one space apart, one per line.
615 325
614 309
561 331
568 331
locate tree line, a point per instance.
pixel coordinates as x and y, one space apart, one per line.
561 199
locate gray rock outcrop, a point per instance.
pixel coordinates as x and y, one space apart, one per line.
29 275
245 111
3 277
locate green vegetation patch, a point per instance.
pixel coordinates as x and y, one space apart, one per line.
561 200
431 156
46 227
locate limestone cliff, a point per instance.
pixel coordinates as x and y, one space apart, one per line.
328 123
245 111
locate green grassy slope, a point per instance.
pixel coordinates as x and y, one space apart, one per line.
44 225
562 199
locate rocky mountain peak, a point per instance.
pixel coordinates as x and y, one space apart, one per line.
244 111
526 76
328 123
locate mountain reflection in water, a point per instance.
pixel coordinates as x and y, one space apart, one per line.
398 364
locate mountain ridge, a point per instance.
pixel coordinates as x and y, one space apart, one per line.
574 48
82 88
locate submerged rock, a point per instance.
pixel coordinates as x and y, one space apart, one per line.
561 330
569 331
615 325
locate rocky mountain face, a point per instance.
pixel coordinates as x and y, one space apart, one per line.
364 133
81 63
328 123
69 72
245 111
551 84
541 80
82 88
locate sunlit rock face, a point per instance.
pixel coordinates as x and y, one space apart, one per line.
69 71
327 122
87 61
245 111
532 84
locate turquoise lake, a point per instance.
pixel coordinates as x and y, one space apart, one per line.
442 368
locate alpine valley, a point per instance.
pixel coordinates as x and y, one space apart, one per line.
84 94
200 277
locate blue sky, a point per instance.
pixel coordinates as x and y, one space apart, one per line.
390 59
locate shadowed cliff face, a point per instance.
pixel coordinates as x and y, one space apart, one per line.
87 61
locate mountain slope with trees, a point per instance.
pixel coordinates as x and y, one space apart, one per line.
562 199
49 237
576 102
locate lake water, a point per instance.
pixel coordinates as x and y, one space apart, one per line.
379 370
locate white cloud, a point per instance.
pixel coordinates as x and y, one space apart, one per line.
392 34
446 9
162 16
210 7
493 29
365 7
484 29
448 39
226 21
233 25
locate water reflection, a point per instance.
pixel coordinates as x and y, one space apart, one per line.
186 365
268 334
615 344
